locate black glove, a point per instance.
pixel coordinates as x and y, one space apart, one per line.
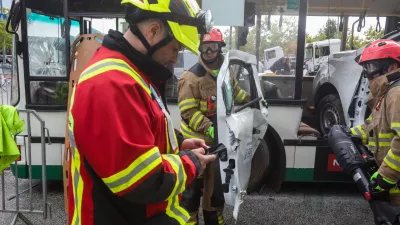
380 183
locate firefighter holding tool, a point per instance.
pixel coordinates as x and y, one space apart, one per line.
128 165
381 131
197 98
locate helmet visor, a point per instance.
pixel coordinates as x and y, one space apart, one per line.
212 47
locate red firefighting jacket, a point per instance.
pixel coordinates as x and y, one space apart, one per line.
125 168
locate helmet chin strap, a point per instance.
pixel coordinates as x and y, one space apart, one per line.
210 61
150 49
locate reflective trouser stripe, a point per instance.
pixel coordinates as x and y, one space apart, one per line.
138 169
174 210
360 132
393 161
221 219
77 182
195 120
241 95
396 127
188 104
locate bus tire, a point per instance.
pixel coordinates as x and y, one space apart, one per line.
259 166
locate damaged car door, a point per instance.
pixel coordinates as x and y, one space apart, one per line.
240 127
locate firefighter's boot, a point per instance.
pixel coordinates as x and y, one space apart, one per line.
213 217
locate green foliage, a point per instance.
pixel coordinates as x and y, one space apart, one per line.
4 36
61 93
329 29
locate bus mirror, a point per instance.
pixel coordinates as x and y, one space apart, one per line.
14 17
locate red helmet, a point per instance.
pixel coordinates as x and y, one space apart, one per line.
214 36
378 55
381 49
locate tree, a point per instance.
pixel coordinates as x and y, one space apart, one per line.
5 36
329 28
371 34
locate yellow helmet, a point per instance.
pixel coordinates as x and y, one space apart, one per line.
184 17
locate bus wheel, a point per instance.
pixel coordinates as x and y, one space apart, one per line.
259 166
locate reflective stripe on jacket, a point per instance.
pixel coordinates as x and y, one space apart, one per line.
382 133
194 91
126 167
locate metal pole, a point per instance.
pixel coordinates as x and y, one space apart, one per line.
230 38
44 178
258 34
3 192
301 42
237 38
28 118
67 39
117 25
344 32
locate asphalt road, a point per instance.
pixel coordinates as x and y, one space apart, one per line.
331 204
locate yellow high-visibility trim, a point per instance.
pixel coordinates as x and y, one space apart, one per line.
188 104
196 119
173 209
113 64
134 172
393 161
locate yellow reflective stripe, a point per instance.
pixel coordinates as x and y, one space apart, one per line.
113 64
372 143
188 104
360 132
240 96
369 118
393 161
203 106
386 135
196 119
396 127
77 185
221 219
139 168
394 191
191 223
167 137
188 133
174 210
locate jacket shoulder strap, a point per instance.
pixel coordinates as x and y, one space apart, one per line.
395 84
198 70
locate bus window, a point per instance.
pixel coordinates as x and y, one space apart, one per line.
103 25
46 53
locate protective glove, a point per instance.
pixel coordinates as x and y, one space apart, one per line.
381 183
210 132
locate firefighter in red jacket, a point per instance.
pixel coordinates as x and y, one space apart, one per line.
126 165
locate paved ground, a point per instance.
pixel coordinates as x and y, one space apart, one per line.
296 204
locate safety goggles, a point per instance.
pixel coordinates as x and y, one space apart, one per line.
374 68
212 47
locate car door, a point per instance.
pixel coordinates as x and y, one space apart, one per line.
240 127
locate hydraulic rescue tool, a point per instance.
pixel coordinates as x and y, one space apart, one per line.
357 161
